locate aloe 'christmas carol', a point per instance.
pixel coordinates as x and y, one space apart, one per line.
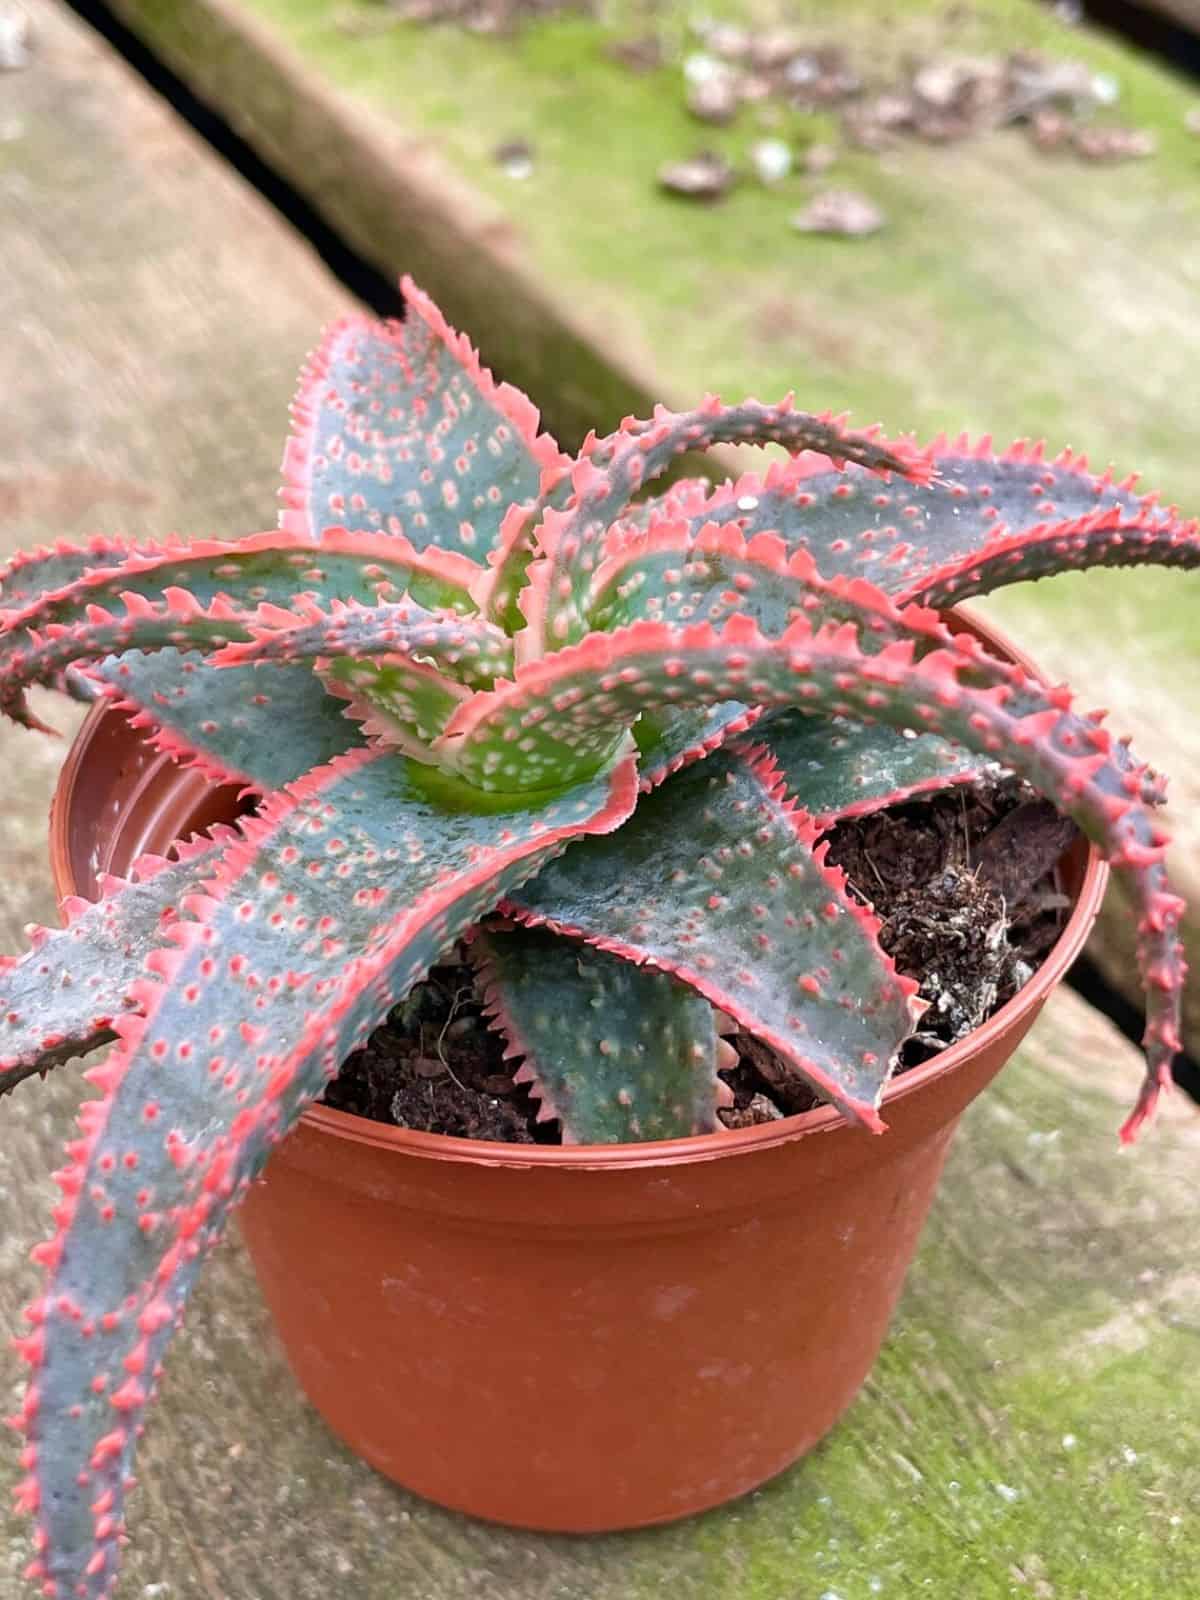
470 674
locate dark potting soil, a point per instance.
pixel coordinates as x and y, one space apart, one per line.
965 885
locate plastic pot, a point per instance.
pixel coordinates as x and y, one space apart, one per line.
579 1338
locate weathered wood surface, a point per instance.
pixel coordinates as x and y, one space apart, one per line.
1011 292
1029 1431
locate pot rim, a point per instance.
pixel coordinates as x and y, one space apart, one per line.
694 1148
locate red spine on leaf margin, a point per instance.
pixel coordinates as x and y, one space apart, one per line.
762 765
514 406
166 741
387 551
516 1047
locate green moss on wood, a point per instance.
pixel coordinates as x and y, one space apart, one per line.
1008 285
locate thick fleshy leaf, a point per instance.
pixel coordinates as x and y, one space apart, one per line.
668 740
979 522
837 769
34 572
508 562
1035 517
616 1052
571 542
674 574
719 879
58 1000
262 726
677 571
498 593
563 712
402 669
168 596
398 428
339 898
402 704
466 649
31 656
263 568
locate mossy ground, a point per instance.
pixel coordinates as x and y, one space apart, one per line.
1007 284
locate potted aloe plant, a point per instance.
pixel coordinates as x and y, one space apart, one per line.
479 689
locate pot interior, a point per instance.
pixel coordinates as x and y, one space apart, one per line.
124 800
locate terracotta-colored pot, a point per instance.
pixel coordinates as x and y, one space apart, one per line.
588 1337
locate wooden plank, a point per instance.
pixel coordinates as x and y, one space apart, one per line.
153 311
1011 292
695 296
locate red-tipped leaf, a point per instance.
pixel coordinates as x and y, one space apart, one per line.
397 427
